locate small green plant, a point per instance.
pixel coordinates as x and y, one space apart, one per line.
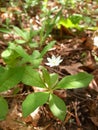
26 36
77 21
26 74
16 58
71 22
19 64
48 24
15 55
50 83
31 3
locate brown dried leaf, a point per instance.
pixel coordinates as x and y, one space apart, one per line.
94 120
89 61
94 84
72 69
61 93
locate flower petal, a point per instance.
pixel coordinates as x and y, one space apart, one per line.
49 59
53 57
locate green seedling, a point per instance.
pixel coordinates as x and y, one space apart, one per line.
17 56
74 21
48 24
26 36
16 59
70 22
50 83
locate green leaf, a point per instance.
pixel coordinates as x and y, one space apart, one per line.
20 41
32 77
3 108
33 44
57 106
47 48
36 62
32 33
79 80
4 30
66 23
29 58
1 70
10 56
87 19
76 18
46 77
35 58
20 33
10 78
6 54
35 54
22 52
33 101
53 80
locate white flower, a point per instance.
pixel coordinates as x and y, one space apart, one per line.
54 61
96 41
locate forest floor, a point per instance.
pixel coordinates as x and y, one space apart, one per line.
76 49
